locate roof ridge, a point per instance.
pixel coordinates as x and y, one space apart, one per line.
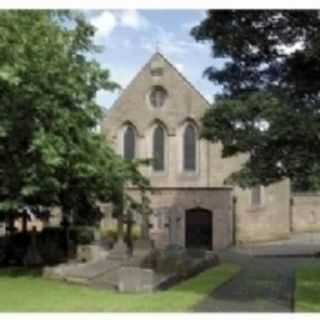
158 53
182 76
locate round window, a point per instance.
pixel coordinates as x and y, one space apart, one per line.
158 96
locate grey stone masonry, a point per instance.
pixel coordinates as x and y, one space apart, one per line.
135 280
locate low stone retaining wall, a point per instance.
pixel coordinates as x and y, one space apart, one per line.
305 212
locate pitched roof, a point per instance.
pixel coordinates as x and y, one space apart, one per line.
153 57
180 74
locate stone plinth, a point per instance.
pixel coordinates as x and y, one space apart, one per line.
119 251
135 280
88 253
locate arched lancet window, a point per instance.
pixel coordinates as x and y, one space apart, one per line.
158 152
189 148
129 143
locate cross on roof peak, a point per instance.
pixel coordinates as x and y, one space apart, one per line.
158 47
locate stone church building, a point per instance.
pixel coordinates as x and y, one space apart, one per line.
158 116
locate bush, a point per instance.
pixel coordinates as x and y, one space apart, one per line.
82 235
51 244
55 234
111 233
16 247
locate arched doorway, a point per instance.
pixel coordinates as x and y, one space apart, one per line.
199 229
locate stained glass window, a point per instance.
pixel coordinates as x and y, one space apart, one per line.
189 148
129 144
158 149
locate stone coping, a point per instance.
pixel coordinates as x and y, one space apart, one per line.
305 194
229 188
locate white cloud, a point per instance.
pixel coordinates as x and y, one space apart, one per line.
104 23
107 21
209 97
169 44
179 66
288 50
166 42
133 19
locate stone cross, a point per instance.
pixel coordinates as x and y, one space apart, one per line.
157 46
130 222
173 221
2 229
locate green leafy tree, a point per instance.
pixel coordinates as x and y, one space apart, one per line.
270 105
50 154
125 205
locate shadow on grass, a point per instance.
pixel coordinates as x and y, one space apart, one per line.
16 272
64 297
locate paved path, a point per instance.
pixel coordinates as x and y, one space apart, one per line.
299 244
263 285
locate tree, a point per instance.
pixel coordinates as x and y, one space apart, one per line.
270 105
50 154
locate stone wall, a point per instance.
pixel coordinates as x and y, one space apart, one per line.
266 222
305 212
174 202
270 221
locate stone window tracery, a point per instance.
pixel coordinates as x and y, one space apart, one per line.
158 149
189 148
129 143
158 97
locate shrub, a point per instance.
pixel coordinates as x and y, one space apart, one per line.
16 247
54 234
82 235
52 245
111 233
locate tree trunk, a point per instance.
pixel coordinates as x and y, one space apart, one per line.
66 229
11 219
129 240
24 222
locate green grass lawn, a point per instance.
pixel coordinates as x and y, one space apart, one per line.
29 293
307 295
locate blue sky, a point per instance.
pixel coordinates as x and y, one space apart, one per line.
130 37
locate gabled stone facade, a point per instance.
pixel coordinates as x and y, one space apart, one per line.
235 217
